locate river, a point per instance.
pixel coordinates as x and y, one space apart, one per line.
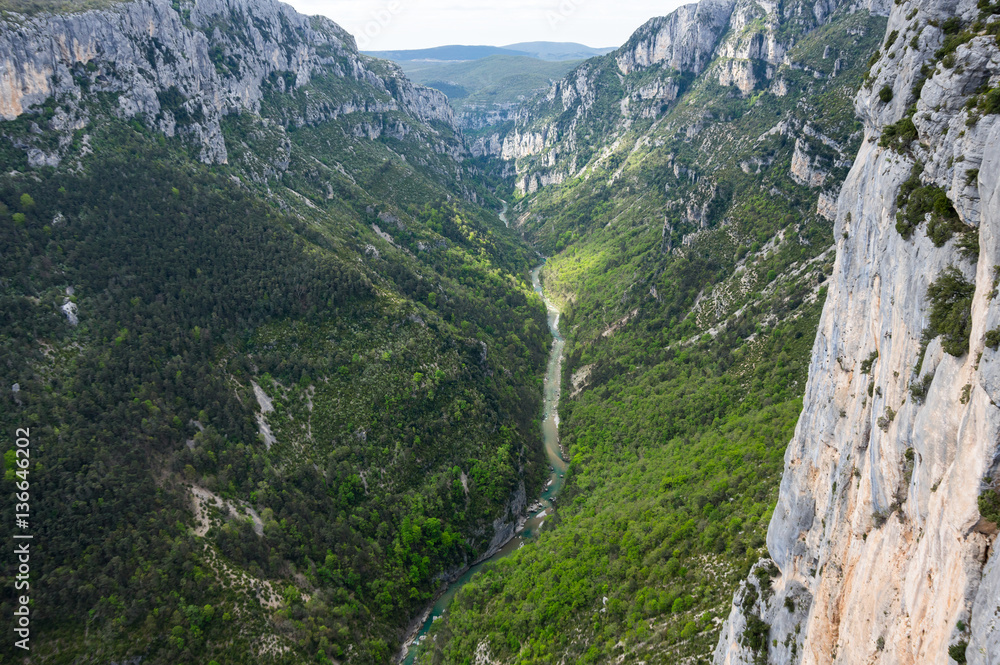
551 388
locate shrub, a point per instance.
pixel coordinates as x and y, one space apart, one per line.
990 102
915 201
954 37
899 135
866 365
957 651
755 634
884 421
968 244
885 94
989 506
993 338
903 225
918 389
944 221
951 310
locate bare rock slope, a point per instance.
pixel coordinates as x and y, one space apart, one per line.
741 43
880 552
182 66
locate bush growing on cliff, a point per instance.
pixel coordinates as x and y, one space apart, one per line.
989 505
899 135
990 102
993 338
957 651
915 201
918 389
755 636
951 310
866 365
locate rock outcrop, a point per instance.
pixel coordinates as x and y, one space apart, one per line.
684 40
738 43
182 66
880 549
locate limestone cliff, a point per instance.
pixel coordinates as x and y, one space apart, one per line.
683 40
880 551
739 43
182 66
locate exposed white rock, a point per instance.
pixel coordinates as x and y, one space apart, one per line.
163 66
266 406
804 170
826 206
69 309
739 43
683 40
265 402
877 533
205 502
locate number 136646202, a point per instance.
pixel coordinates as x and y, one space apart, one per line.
22 536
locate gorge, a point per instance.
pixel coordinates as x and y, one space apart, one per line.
291 377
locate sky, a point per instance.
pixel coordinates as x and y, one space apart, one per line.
382 25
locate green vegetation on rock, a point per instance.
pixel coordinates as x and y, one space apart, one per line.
689 264
302 388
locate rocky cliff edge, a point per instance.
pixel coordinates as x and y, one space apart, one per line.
880 551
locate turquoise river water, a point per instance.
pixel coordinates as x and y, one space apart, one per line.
550 437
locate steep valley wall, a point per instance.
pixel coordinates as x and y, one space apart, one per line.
880 553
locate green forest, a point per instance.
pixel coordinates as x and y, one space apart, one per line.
688 352
278 401
403 373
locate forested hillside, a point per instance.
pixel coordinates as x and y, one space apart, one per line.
686 205
282 362
280 366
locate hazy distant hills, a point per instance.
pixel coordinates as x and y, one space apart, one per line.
484 82
497 79
559 50
553 51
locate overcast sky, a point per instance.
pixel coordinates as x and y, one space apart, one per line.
381 25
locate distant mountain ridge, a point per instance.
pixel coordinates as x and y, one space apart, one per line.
486 84
485 92
559 50
555 51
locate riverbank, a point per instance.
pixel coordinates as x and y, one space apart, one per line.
419 626
530 523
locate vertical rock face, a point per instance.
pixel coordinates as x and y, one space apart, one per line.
881 553
684 40
739 43
182 68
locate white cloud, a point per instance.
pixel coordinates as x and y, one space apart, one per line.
403 24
